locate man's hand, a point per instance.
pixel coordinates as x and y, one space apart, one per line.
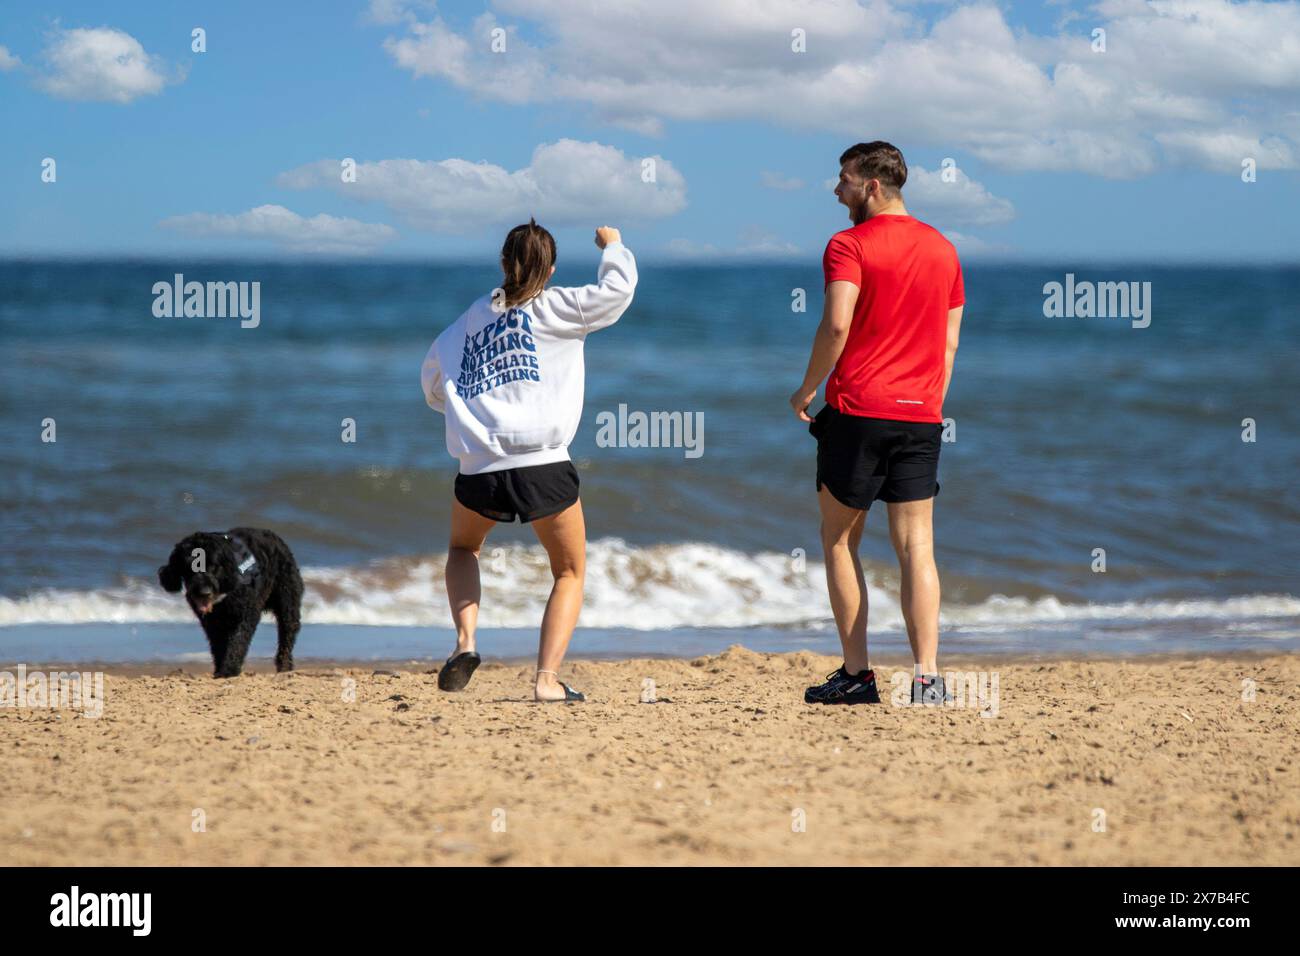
605 235
801 399
828 343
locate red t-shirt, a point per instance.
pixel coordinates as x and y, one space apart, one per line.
908 277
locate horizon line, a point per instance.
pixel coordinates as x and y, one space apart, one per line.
667 260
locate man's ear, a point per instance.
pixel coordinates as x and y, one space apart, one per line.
169 578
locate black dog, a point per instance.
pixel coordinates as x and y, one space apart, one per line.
229 580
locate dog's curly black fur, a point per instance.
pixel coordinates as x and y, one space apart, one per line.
228 605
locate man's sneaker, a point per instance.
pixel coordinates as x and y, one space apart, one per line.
930 691
841 687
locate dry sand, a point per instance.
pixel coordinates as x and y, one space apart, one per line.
722 770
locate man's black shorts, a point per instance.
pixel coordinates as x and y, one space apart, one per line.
862 460
524 493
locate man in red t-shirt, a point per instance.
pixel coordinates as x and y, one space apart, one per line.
887 340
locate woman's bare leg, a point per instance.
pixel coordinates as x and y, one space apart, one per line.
564 536
469 530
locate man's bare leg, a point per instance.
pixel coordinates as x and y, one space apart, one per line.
911 529
841 534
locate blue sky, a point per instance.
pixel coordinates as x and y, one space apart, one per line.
1063 150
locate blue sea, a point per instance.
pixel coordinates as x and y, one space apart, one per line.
1070 435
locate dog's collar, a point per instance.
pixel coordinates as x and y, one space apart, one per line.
245 562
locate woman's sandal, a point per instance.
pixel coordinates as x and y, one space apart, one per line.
455 674
569 693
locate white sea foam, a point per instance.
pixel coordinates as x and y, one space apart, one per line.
642 588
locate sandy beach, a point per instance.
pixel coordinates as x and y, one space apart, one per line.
1142 762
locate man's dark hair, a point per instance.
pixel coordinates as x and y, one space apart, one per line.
877 160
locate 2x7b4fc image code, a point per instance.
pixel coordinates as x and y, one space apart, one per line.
1178 909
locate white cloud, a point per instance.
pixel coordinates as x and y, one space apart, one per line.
286 229
389 12
1176 78
8 61
690 248
430 49
566 183
1225 150
100 64
960 202
772 180
754 242
972 247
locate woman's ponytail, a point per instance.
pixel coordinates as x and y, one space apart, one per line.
526 260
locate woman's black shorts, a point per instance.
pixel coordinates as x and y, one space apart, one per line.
523 493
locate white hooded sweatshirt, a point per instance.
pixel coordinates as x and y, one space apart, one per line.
510 380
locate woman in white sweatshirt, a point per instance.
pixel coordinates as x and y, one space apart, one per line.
508 375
